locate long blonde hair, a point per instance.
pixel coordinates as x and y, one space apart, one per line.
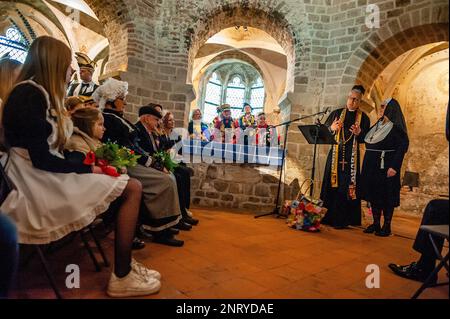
8 74
165 120
46 64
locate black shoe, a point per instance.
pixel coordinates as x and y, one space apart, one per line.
189 220
384 232
142 233
168 240
173 231
182 226
411 271
137 244
372 229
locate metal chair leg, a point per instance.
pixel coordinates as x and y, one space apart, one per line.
89 249
99 247
47 272
426 284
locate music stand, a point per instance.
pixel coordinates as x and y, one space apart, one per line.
316 134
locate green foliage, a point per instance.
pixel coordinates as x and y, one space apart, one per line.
165 159
116 155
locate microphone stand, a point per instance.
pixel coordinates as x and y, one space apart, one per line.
276 210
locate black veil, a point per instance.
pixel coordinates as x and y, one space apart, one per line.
394 113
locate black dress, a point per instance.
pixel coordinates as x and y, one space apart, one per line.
343 211
378 189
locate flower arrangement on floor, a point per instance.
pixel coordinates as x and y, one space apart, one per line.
112 158
305 216
163 160
304 213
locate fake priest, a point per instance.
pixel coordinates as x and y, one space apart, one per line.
86 87
340 193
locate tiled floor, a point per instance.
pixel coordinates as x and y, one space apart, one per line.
232 255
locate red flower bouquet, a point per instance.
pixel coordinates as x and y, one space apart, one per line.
112 158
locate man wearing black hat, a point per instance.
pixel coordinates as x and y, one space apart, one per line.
160 209
86 87
150 142
339 193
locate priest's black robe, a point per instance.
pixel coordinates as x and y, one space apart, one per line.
378 189
343 211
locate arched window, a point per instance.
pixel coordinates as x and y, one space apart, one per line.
13 45
213 98
257 96
235 95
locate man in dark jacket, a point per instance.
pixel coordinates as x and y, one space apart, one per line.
150 142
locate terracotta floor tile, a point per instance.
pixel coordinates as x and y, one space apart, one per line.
232 255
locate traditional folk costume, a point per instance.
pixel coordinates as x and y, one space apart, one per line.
85 89
265 134
51 196
223 123
199 130
341 177
159 190
386 145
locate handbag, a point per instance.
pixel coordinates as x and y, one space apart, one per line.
306 212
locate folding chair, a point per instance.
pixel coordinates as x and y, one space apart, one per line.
438 231
5 188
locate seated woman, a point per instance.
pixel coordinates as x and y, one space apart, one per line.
197 129
52 196
160 209
87 134
182 172
9 70
73 103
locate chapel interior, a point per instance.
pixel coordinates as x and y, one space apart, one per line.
287 58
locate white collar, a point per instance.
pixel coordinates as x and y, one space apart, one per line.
378 132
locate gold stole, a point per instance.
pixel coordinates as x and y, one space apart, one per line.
335 153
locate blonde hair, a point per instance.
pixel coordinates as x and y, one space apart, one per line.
165 120
8 76
85 120
46 64
71 102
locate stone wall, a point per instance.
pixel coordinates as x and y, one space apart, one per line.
327 43
246 187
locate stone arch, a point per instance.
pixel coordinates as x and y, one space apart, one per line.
241 57
409 31
275 24
115 16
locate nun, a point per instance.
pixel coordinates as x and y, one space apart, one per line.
386 145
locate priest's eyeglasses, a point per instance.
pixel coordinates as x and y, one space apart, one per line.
354 99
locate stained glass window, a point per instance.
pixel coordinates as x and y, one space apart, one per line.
13 45
257 96
213 97
235 92
235 95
